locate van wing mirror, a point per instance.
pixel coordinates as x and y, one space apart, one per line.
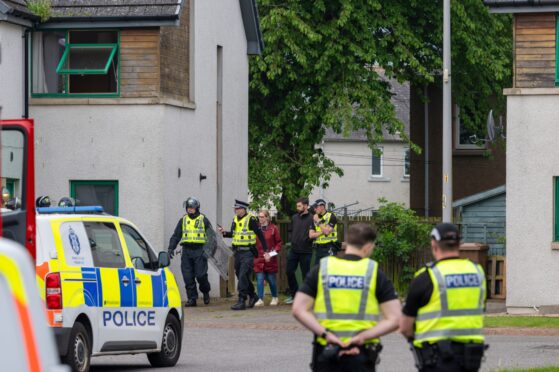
163 259
139 263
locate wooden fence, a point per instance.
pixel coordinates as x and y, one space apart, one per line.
392 267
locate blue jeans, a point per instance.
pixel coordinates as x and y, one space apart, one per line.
271 279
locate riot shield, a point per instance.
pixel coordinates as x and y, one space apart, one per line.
218 253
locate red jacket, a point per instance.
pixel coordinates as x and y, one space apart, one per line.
273 239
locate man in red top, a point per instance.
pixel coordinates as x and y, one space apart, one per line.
266 264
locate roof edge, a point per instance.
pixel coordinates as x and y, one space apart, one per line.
522 6
479 196
251 21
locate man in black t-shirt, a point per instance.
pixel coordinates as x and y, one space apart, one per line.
300 253
347 331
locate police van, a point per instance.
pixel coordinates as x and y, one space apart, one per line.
105 289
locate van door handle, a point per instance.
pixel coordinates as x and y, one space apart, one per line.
125 280
137 281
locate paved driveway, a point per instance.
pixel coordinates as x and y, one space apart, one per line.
268 339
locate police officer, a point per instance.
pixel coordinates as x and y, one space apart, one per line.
244 231
324 231
341 301
443 314
192 233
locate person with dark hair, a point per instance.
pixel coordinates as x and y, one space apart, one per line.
300 253
443 313
341 302
244 231
192 232
324 231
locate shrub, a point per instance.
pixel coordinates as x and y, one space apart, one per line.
401 239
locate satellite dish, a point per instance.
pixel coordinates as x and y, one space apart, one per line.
490 127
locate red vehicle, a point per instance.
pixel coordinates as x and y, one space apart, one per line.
17 175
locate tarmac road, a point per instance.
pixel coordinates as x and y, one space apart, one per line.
267 339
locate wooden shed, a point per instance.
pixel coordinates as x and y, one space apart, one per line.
482 219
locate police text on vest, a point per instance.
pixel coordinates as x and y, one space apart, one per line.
346 282
462 280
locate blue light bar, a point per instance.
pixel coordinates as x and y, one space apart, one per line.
70 210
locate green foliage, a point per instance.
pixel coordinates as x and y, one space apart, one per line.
321 68
41 8
401 234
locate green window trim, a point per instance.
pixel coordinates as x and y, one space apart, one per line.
74 183
556 210
61 70
65 94
556 50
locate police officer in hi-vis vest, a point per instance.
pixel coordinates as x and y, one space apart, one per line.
341 302
192 233
244 231
324 231
443 314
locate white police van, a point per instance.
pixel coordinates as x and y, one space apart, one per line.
105 290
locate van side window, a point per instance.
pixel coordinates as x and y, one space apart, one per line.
138 247
105 244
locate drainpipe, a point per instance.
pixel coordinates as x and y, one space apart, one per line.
26 73
426 148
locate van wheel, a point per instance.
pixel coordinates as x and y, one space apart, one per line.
78 356
170 345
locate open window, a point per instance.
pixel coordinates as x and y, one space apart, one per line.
80 62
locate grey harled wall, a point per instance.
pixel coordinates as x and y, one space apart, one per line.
532 163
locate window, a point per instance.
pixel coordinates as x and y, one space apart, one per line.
406 162
138 247
466 138
376 170
75 63
12 164
105 244
103 193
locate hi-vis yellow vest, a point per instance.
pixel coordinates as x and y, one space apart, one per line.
455 309
332 237
346 301
242 235
193 230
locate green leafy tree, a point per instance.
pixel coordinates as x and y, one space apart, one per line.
321 69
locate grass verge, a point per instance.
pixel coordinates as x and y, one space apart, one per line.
521 321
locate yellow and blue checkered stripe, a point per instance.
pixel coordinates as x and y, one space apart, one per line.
104 287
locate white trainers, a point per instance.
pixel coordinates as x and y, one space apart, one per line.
259 303
274 302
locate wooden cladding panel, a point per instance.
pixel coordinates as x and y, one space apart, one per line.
139 63
534 50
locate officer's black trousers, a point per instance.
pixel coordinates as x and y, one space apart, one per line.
194 267
446 366
324 250
244 268
347 363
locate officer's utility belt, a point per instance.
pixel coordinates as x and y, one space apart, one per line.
468 355
243 248
330 353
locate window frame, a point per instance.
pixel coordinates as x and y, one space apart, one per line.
381 175
408 152
556 209
456 124
66 75
60 68
74 183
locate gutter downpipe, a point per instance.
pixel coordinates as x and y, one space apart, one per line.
26 73
426 148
